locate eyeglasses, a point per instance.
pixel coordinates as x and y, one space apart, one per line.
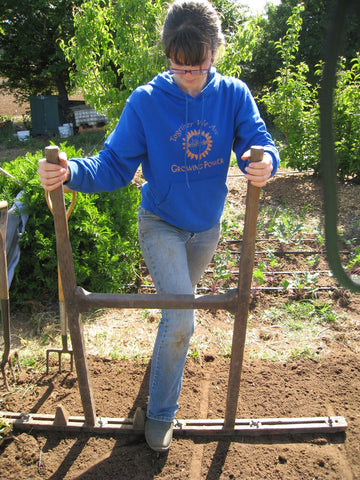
182 71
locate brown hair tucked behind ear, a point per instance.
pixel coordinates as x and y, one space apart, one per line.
191 29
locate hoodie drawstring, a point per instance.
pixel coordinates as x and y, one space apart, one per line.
201 126
186 140
199 138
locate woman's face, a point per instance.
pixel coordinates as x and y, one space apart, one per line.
191 83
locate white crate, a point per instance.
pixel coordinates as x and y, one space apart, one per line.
86 115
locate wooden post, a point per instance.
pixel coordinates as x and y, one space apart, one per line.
244 290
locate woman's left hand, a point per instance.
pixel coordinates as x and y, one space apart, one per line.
258 173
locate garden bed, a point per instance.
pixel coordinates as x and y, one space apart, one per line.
301 359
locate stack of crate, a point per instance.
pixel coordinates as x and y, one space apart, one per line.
86 118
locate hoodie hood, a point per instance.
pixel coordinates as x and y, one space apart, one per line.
165 82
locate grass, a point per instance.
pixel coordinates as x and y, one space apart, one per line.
293 330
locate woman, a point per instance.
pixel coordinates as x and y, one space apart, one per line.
181 128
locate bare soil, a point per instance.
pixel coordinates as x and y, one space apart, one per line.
9 107
325 382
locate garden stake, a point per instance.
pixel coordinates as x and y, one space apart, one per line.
4 298
63 314
244 289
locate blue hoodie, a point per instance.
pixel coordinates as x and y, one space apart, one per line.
184 145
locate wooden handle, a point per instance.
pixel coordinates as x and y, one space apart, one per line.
3 218
72 205
52 154
244 291
257 153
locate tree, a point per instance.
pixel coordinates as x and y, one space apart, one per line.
293 103
273 26
32 62
115 48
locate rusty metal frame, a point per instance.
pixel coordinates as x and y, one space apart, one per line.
252 427
78 301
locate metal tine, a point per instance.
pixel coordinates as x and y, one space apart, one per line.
63 314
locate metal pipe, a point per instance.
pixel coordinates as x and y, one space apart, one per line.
86 300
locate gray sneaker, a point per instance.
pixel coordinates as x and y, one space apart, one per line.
158 434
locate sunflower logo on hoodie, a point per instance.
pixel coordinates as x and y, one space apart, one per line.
197 144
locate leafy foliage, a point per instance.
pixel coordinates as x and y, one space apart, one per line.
266 63
111 61
102 228
293 103
239 47
347 119
115 49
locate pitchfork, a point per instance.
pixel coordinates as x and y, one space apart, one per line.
63 314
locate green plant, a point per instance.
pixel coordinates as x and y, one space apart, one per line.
313 260
347 119
272 260
353 265
239 47
230 222
293 103
298 283
320 236
102 228
258 274
286 226
304 316
222 269
5 427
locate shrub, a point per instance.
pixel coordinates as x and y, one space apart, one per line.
293 103
295 109
102 228
347 119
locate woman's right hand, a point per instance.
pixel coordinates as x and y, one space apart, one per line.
53 175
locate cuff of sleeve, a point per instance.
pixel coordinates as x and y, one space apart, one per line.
275 161
73 168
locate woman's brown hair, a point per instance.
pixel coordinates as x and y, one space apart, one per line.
192 28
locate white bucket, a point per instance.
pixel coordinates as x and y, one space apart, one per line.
65 130
70 127
23 135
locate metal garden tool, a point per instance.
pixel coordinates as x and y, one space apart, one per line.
63 315
4 298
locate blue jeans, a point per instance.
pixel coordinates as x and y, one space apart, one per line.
176 260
